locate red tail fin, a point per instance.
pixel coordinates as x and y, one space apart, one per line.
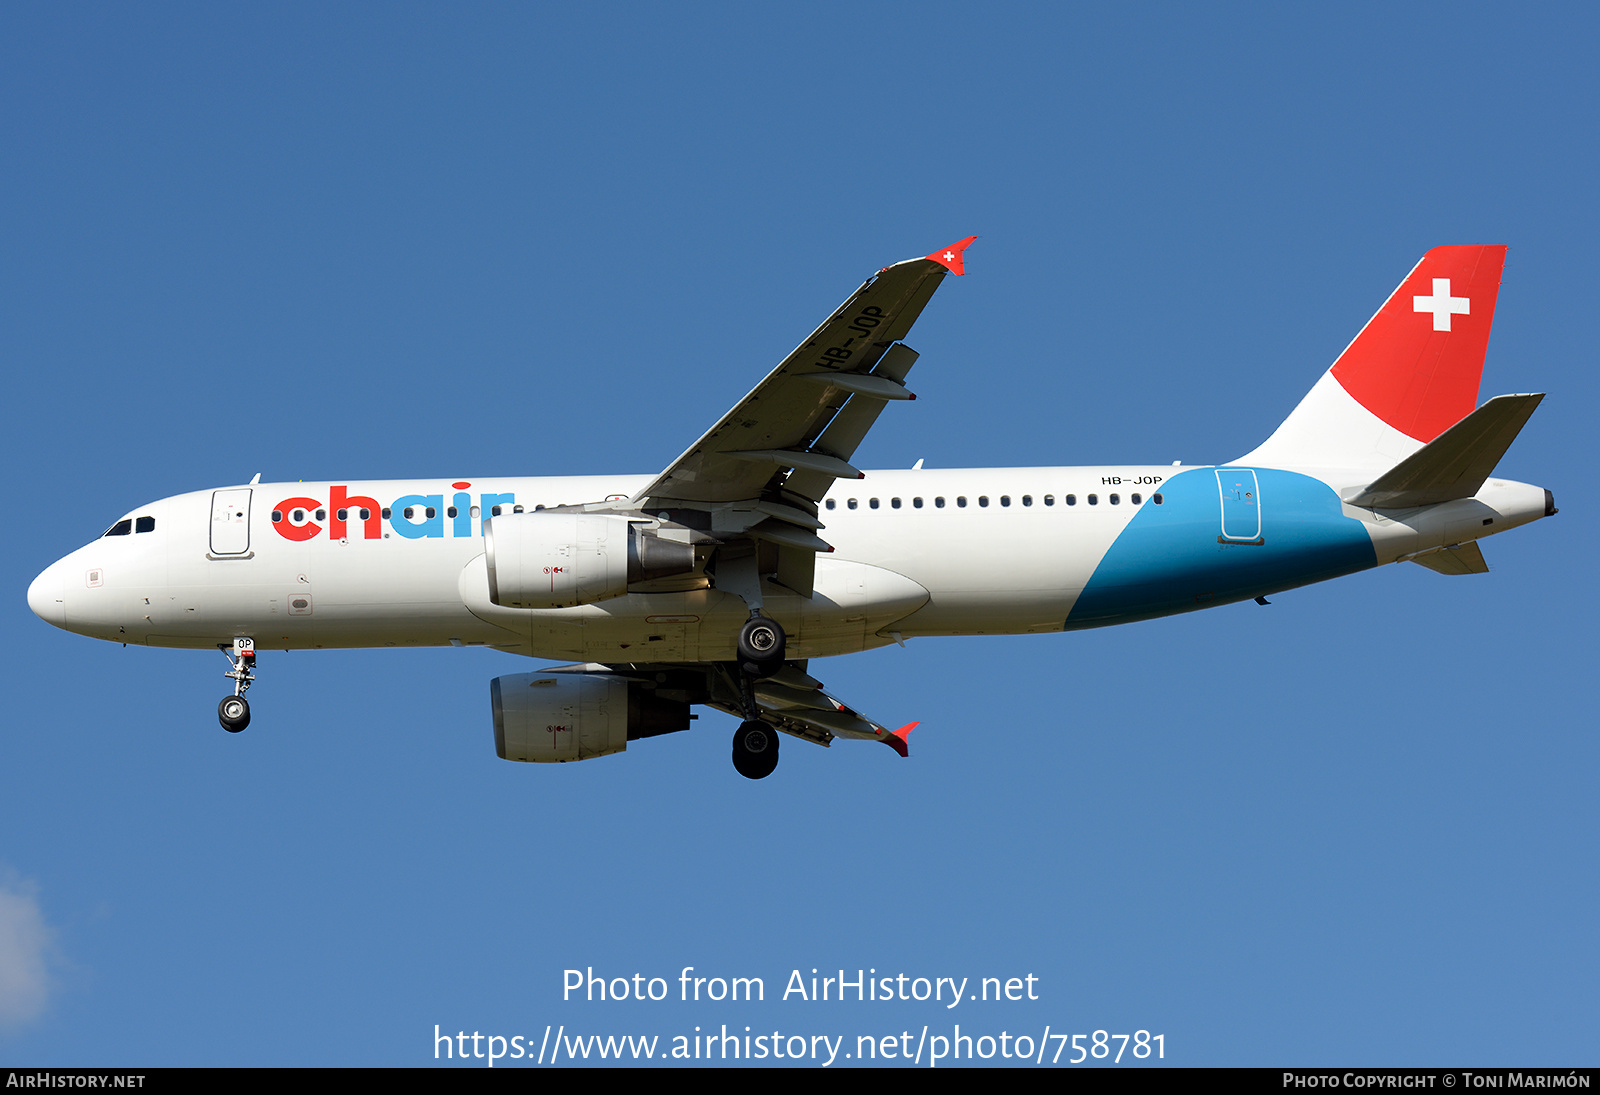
1411 373
1417 363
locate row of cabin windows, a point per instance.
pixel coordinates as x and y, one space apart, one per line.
148 524
1005 500
410 512
126 525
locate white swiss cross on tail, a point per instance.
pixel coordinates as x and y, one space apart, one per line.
1442 304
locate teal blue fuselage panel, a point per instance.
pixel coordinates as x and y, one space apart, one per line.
1220 535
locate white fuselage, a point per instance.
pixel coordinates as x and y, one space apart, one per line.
924 552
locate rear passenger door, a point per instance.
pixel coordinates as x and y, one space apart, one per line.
1240 494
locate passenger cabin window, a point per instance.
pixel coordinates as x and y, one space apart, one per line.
493 512
1156 498
832 504
983 499
873 503
387 512
121 528
1027 499
322 515
894 503
1116 499
916 503
432 513
961 501
277 516
297 515
514 509
1071 499
1094 499
1005 499
451 512
145 524
938 503
1135 499
851 503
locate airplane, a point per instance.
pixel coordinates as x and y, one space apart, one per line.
719 581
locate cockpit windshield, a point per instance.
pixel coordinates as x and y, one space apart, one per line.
128 524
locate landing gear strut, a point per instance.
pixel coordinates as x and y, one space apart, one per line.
755 749
234 711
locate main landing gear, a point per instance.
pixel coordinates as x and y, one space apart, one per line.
234 711
761 649
761 646
755 749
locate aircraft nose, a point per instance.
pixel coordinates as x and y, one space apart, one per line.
47 596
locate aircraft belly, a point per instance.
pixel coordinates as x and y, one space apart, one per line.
851 602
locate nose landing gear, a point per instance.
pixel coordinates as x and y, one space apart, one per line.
234 711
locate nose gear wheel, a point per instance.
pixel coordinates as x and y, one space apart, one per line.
234 713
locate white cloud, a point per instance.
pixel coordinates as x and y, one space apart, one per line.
25 946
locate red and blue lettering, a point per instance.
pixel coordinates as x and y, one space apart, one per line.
411 516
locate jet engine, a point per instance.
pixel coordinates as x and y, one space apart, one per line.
575 717
557 560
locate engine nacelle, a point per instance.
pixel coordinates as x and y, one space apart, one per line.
557 560
575 717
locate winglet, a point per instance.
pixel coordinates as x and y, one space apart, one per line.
950 258
897 738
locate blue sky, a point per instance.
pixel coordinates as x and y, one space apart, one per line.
1356 827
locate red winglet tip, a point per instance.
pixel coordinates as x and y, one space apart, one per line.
897 740
950 257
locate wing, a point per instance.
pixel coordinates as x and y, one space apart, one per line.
791 699
762 469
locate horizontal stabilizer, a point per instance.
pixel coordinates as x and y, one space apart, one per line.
1464 559
1454 464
